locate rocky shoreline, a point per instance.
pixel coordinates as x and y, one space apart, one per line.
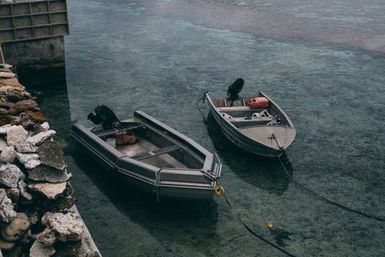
38 217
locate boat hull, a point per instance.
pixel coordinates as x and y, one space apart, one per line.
233 134
170 183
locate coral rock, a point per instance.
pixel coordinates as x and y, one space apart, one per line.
16 135
51 154
29 160
3 144
65 227
8 154
10 174
48 174
7 74
26 148
24 105
15 229
14 195
49 190
22 186
37 116
4 245
7 212
4 129
40 250
41 137
45 126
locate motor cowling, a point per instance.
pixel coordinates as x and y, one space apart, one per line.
105 116
235 88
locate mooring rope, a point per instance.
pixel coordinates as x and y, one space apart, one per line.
202 99
323 198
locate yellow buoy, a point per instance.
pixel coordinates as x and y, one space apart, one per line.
219 190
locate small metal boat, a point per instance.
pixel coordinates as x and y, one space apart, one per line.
155 158
264 130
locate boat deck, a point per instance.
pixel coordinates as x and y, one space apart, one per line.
142 147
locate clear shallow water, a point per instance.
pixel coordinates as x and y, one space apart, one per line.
121 56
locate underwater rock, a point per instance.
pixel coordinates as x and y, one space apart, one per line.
63 227
29 160
36 116
22 186
16 135
51 154
48 174
26 148
40 250
10 174
41 137
4 245
15 229
49 190
8 155
7 212
23 106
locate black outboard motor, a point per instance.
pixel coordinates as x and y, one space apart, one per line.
234 90
105 116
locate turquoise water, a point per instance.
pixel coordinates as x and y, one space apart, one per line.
121 55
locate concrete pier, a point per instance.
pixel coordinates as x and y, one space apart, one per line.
32 32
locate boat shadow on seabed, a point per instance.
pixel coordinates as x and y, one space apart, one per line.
265 173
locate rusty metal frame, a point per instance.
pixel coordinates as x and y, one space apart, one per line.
33 20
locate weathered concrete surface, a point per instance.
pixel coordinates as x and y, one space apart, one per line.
36 53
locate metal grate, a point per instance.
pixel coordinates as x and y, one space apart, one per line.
33 20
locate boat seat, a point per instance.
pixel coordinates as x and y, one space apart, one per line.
157 152
105 133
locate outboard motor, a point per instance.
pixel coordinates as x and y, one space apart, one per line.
234 90
105 116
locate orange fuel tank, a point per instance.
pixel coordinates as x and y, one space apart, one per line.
258 102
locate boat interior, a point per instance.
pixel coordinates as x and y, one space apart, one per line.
243 116
152 146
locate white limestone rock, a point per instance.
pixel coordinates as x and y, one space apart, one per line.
45 126
40 250
29 160
40 137
4 129
3 144
26 148
8 155
16 135
49 190
7 213
10 174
